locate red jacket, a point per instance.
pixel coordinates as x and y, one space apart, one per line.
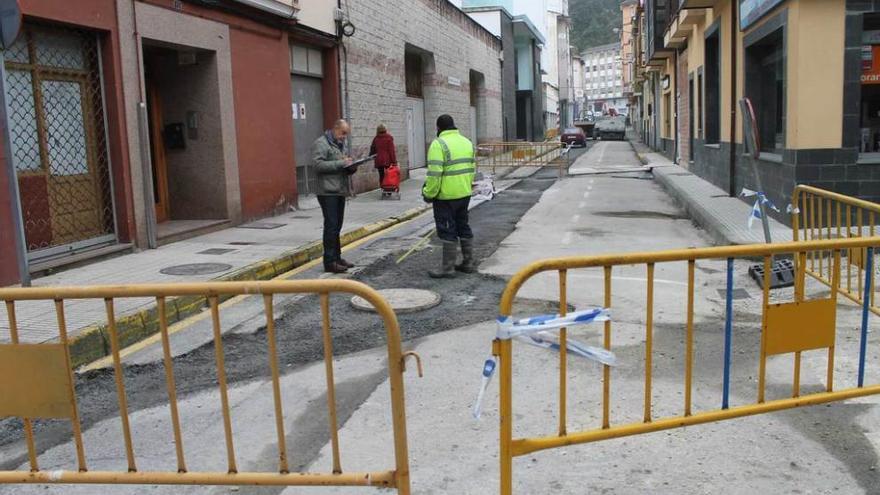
383 148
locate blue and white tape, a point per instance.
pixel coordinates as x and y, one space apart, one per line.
508 328
536 331
756 208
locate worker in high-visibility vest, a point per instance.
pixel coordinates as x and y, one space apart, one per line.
451 169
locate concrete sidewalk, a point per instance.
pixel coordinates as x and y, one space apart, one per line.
257 251
723 217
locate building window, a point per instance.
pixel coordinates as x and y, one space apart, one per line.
712 116
306 60
869 120
765 86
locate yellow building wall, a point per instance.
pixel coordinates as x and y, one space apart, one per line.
815 62
667 132
816 47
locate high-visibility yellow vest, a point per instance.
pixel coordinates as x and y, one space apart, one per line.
451 167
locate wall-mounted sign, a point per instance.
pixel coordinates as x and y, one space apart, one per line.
295 110
453 81
752 10
870 65
302 111
664 83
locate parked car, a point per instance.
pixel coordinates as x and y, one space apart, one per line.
574 136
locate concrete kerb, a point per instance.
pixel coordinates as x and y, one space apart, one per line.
93 342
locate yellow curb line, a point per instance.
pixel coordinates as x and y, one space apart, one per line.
358 237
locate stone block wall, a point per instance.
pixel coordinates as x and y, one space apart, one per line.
454 43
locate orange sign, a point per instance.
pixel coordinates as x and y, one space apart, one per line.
871 64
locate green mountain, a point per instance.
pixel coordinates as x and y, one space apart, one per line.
593 21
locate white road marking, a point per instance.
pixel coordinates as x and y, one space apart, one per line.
582 204
575 218
586 194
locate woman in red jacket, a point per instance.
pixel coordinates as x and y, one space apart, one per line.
383 148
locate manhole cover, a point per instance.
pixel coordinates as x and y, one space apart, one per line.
261 225
216 251
196 269
402 300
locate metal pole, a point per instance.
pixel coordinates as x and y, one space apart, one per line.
14 195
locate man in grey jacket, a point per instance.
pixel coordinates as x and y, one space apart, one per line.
332 170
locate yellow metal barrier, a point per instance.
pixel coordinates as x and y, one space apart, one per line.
787 328
36 382
821 214
522 154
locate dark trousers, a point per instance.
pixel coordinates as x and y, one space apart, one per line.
381 171
333 208
451 217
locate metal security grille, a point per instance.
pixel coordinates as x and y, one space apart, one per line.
59 146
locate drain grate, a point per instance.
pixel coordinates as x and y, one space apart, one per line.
217 251
261 225
243 243
737 294
196 269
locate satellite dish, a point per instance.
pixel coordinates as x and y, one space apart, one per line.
10 22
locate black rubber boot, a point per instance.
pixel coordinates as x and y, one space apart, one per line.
467 257
447 267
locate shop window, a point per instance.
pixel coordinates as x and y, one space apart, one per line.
869 119
699 115
765 86
712 116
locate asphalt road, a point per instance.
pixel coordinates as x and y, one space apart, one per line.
466 300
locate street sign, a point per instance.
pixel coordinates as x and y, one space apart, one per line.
10 22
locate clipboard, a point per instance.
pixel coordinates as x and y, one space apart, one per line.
361 161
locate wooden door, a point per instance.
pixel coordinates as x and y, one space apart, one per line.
157 152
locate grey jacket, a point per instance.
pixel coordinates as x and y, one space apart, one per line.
330 172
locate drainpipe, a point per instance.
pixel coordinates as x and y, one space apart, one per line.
733 80
675 106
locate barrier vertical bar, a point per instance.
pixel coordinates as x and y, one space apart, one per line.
170 383
506 413
863 345
563 354
331 383
120 384
849 252
809 218
873 224
728 336
828 234
649 342
269 306
796 381
606 370
813 229
71 390
762 366
861 250
689 347
835 288
28 426
820 254
221 379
